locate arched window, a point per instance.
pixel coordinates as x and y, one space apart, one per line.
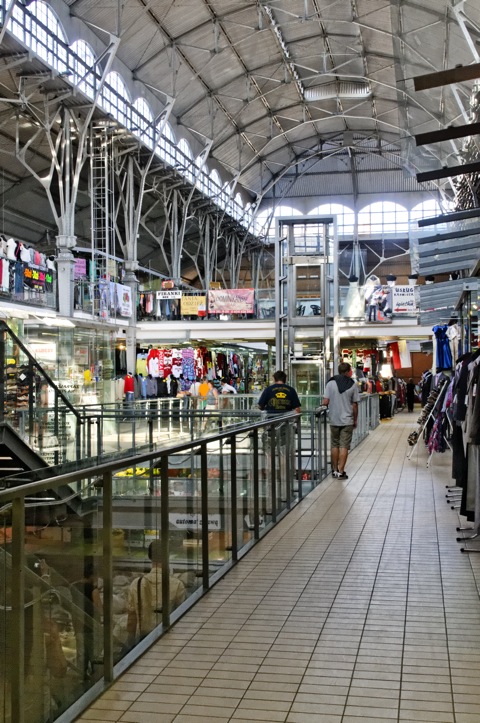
238 210
215 184
248 217
202 176
263 221
345 216
39 29
82 61
115 98
142 122
286 210
185 160
226 198
167 145
383 217
428 208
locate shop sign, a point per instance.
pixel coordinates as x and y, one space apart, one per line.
192 521
166 294
34 277
168 284
191 305
231 301
403 300
215 285
44 351
80 269
80 355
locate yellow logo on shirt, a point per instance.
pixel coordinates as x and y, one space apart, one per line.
280 395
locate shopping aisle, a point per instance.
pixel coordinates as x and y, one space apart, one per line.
358 607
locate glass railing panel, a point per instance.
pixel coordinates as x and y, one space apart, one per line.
136 552
62 606
283 465
305 455
5 624
323 444
246 508
185 510
219 496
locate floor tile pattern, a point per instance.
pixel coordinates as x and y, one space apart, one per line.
357 607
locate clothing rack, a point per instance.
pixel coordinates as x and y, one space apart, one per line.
436 406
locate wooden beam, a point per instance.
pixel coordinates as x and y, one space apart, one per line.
447 134
448 172
446 77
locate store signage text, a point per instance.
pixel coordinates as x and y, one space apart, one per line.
231 301
191 521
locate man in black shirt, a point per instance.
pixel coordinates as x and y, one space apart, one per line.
279 397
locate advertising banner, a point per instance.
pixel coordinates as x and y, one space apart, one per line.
190 305
403 300
231 301
378 303
124 294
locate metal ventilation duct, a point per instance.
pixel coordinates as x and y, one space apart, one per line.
346 89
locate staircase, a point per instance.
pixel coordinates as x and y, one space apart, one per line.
15 455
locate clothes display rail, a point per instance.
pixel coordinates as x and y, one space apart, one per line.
466 444
432 420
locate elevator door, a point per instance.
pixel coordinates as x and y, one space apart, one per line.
306 376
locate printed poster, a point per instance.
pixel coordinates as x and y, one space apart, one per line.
231 301
191 305
403 300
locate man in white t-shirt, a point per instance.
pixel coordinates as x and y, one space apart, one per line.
194 393
227 388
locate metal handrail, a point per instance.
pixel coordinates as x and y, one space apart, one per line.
97 470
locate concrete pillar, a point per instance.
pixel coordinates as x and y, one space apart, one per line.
65 266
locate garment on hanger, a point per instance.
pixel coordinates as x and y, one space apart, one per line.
453 334
443 356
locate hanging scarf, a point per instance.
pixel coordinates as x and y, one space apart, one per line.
343 382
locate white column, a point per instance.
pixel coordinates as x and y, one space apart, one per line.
65 266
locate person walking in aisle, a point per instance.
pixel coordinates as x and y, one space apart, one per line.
410 394
341 397
279 397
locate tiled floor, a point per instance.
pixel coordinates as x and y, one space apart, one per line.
358 607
